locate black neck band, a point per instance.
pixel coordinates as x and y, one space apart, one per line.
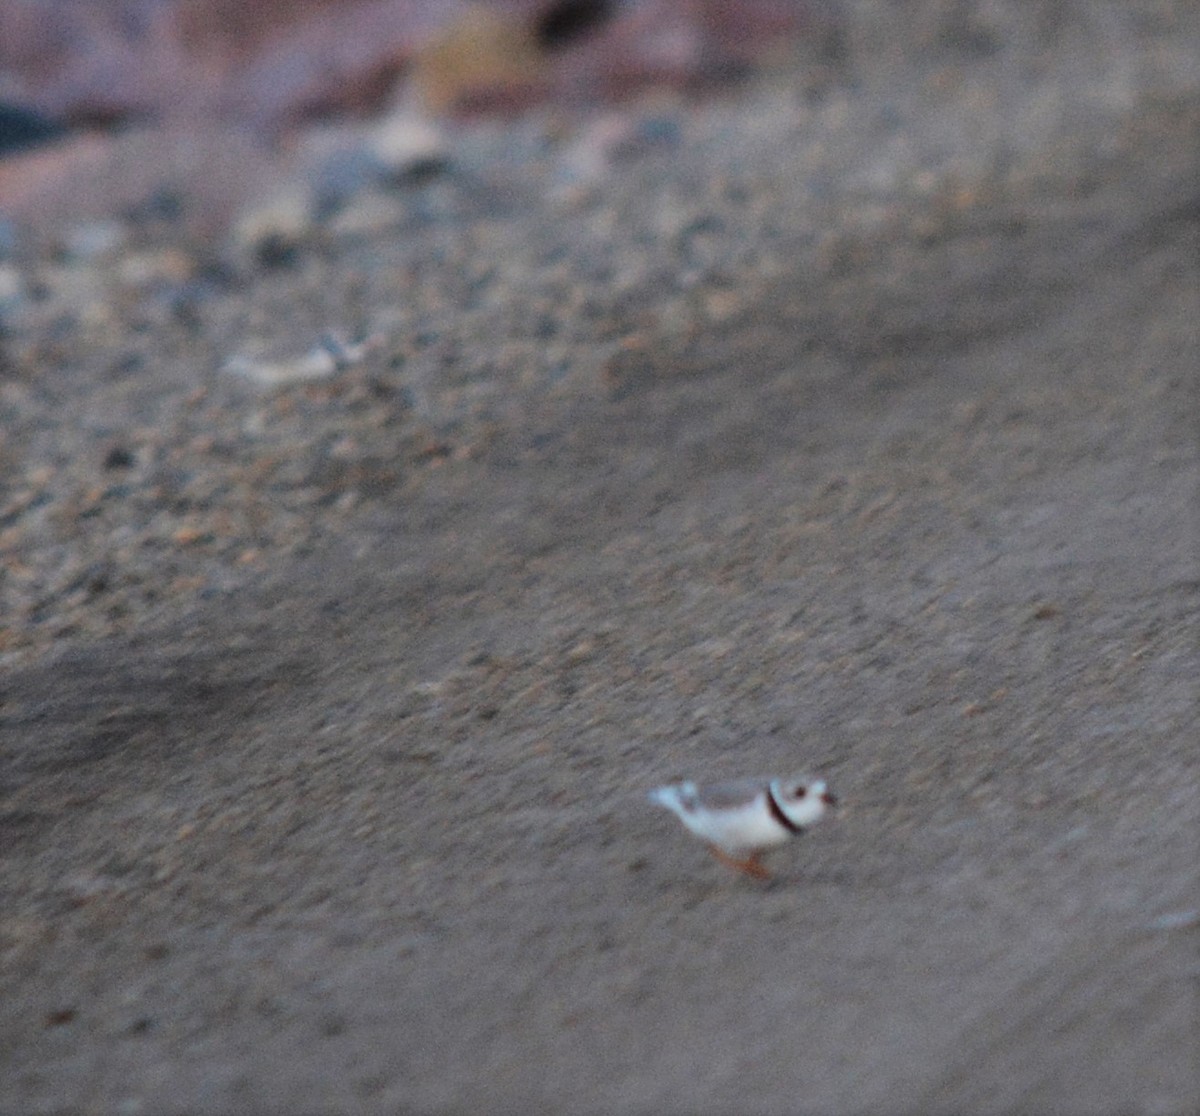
778 814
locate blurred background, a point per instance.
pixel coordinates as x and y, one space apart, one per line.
250 78
270 64
221 91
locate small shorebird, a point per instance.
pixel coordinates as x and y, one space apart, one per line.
740 820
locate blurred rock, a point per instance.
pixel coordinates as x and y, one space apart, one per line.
22 128
12 292
89 240
269 233
408 146
331 354
484 59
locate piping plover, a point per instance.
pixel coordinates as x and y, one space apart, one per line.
740 820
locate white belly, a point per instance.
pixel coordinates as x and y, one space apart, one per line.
736 831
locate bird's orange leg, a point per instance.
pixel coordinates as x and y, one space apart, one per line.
752 865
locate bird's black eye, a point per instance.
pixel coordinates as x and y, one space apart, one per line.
800 791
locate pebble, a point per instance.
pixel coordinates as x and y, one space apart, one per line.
12 290
269 232
317 364
10 238
331 354
407 145
91 240
618 138
369 213
23 127
164 265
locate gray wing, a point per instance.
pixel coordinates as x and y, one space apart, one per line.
735 793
